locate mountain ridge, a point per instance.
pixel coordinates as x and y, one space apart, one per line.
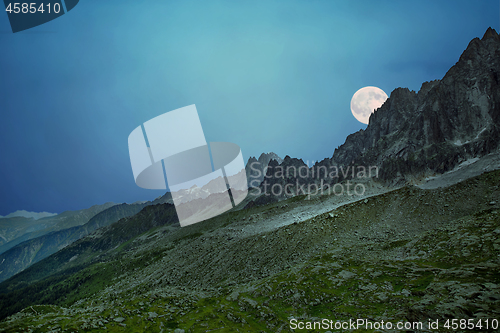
464 104
417 134
24 213
25 251
15 230
397 252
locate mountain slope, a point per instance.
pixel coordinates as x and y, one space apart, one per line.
391 256
29 252
72 259
16 230
33 250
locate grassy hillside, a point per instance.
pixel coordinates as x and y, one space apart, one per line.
405 255
15 230
29 252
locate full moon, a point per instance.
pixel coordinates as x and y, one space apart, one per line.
365 101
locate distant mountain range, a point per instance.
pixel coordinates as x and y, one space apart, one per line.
32 215
17 229
39 239
26 250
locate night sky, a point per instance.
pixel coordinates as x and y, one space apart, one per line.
267 75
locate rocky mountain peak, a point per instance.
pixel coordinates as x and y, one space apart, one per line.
490 33
289 161
256 168
425 88
416 134
446 122
267 157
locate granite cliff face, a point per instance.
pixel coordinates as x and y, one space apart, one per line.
446 122
413 135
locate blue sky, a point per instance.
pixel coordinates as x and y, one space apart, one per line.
268 75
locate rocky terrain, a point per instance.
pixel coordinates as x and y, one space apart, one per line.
407 254
417 134
420 243
256 168
447 122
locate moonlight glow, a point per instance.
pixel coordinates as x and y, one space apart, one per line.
365 101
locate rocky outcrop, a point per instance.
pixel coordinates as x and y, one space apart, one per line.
446 122
408 253
412 134
256 168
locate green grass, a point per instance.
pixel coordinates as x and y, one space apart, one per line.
381 288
